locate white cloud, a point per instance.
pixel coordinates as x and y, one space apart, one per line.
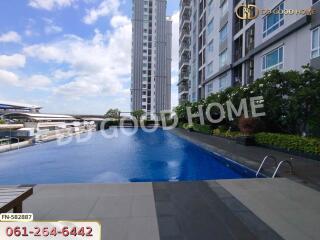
50 4
106 7
10 37
96 67
60 74
10 78
46 53
12 61
51 27
38 82
30 83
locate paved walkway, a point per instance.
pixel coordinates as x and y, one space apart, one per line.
291 209
306 170
236 209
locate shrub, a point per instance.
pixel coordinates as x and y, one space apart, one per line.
291 101
169 122
290 142
202 128
2 121
188 126
227 134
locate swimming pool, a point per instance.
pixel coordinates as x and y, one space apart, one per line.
142 157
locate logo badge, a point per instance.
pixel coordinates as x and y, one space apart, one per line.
247 12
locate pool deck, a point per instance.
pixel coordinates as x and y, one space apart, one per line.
306 171
228 209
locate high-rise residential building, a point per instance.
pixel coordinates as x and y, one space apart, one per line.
228 51
151 57
184 50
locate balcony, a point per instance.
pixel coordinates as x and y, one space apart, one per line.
185 22
184 64
183 88
184 75
183 98
185 3
185 13
185 35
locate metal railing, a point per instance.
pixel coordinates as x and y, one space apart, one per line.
264 160
15 138
280 164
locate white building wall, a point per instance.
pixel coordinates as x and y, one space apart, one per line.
216 15
296 52
296 45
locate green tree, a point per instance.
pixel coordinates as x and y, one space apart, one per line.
2 121
291 102
113 113
138 114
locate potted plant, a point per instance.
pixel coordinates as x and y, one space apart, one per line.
247 127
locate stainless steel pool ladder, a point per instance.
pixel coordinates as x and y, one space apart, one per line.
280 164
264 160
276 164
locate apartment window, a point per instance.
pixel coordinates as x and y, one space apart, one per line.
209 88
210 8
224 8
315 45
273 60
210 27
250 39
210 49
272 22
223 33
210 69
223 58
223 83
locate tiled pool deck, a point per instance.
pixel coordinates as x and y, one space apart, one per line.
228 209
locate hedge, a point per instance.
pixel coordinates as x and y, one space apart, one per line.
202 128
227 134
289 142
206 129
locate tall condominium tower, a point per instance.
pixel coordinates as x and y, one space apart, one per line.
151 57
219 49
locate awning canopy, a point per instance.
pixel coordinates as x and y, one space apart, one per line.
6 105
40 117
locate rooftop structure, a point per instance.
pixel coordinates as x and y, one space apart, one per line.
38 117
8 106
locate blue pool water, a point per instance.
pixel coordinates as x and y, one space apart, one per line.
158 156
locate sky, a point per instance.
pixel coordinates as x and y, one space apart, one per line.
71 56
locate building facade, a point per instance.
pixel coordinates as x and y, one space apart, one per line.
228 51
151 57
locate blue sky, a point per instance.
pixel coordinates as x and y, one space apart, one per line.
70 56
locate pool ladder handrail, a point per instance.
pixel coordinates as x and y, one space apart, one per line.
280 164
264 160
